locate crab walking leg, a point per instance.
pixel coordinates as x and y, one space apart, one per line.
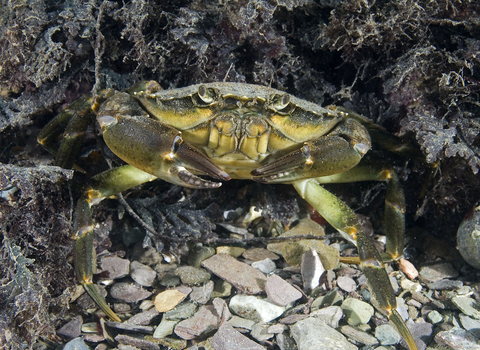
394 200
341 217
72 123
103 185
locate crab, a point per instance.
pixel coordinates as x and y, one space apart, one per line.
232 131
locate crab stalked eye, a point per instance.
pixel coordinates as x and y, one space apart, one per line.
206 95
282 105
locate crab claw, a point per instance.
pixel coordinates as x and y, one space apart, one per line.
153 147
337 152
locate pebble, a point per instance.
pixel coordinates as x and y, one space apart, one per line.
285 342
168 299
76 344
358 336
346 283
260 332
130 327
192 275
421 332
72 329
280 291
445 285
204 322
181 312
228 338
115 267
331 315
143 318
435 317
198 254
333 297
258 254
267 266
201 295
357 311
221 289
256 309
387 335
312 270
312 333
232 251
408 268
142 274
129 292
244 277
169 280
471 325
165 328
136 342
437 271
240 322
457 339
468 306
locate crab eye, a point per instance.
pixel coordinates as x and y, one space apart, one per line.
282 105
205 94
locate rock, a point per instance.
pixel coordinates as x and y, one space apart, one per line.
437 271
169 280
357 311
280 291
165 328
346 283
146 256
331 315
267 266
421 332
292 251
387 335
129 292
333 297
256 309
228 338
312 333
457 338
204 322
143 318
258 254
232 251
358 336
168 299
244 277
72 329
468 306
136 342
471 325
408 268
445 285
192 275
435 317
221 289
142 274
312 270
76 344
114 267
240 322
201 295
285 342
260 332
181 312
198 254
130 327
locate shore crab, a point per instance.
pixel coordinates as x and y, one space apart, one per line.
232 131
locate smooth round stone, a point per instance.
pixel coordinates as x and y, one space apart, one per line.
357 311
387 335
435 317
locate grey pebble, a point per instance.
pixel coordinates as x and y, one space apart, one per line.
142 274
192 275
358 336
138 343
129 292
130 327
267 266
331 315
165 328
115 267
228 338
445 285
143 318
280 291
181 312
435 317
312 333
201 294
471 325
76 344
240 322
198 254
468 306
204 322
387 335
254 308
170 280
260 332
346 283
437 271
457 339
72 329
